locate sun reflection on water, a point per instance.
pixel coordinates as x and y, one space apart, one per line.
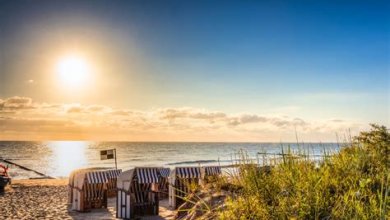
67 156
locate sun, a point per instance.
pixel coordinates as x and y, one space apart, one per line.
73 71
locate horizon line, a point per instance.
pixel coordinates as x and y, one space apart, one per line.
238 142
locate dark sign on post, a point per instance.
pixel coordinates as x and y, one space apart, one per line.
108 154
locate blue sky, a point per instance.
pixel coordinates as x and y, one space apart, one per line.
315 60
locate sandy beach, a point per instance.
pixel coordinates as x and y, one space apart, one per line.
47 199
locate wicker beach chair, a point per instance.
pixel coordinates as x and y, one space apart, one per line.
71 180
89 190
182 182
138 192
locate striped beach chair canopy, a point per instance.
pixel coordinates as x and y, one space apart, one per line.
164 172
75 173
97 176
147 174
188 172
112 174
212 170
142 174
90 176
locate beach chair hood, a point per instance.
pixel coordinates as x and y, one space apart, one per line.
124 180
212 170
144 175
188 172
91 177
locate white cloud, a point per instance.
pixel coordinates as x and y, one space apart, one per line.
16 102
20 116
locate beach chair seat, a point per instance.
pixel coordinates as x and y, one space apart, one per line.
146 203
111 184
96 196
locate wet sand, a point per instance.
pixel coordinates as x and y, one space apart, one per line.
47 199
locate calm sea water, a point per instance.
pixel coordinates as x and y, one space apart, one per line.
59 158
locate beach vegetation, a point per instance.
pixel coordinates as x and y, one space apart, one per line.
351 184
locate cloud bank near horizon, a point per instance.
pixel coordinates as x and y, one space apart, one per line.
23 119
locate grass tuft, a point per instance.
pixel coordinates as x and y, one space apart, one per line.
352 184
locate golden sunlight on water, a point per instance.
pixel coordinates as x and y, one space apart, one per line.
68 155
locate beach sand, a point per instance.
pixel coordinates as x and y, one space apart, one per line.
47 199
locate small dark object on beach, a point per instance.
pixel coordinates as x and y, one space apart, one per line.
4 178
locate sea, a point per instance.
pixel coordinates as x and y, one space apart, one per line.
59 158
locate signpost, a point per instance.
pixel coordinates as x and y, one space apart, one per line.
109 154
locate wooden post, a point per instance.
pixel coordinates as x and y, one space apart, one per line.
116 164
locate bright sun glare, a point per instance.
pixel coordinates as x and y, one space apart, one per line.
73 71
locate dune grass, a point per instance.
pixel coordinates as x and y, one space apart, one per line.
352 184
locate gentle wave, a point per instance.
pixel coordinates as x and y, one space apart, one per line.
192 162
